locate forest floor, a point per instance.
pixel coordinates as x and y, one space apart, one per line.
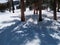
30 32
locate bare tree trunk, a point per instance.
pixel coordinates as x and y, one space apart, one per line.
40 10
58 5
54 7
22 10
9 1
12 6
34 11
34 7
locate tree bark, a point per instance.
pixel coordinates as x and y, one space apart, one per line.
12 6
9 1
58 5
22 10
40 10
54 11
36 8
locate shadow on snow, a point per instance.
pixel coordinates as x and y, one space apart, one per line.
21 32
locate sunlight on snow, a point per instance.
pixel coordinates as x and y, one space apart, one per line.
3 1
55 35
5 25
59 43
19 31
35 41
31 20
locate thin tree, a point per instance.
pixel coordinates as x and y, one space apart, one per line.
9 2
36 7
54 10
58 5
12 6
40 10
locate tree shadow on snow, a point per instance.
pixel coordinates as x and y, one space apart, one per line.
21 32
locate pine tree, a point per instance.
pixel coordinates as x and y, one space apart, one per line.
36 7
40 10
22 10
12 6
54 9
9 1
51 3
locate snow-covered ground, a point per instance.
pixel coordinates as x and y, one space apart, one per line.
30 32
4 1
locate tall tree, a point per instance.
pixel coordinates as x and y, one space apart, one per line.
58 3
22 10
54 9
36 7
40 10
12 6
9 2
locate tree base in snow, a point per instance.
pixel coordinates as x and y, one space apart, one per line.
40 20
22 19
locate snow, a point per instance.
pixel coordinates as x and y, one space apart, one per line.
35 41
5 18
55 35
30 32
59 44
3 1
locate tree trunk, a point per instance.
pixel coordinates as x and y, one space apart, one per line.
58 5
54 7
9 1
36 8
22 10
40 10
12 6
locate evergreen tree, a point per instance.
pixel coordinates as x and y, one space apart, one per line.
12 6
40 10
54 9
22 11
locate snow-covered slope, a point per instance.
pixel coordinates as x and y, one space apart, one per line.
30 32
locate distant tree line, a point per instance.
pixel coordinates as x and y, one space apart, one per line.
4 6
37 5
